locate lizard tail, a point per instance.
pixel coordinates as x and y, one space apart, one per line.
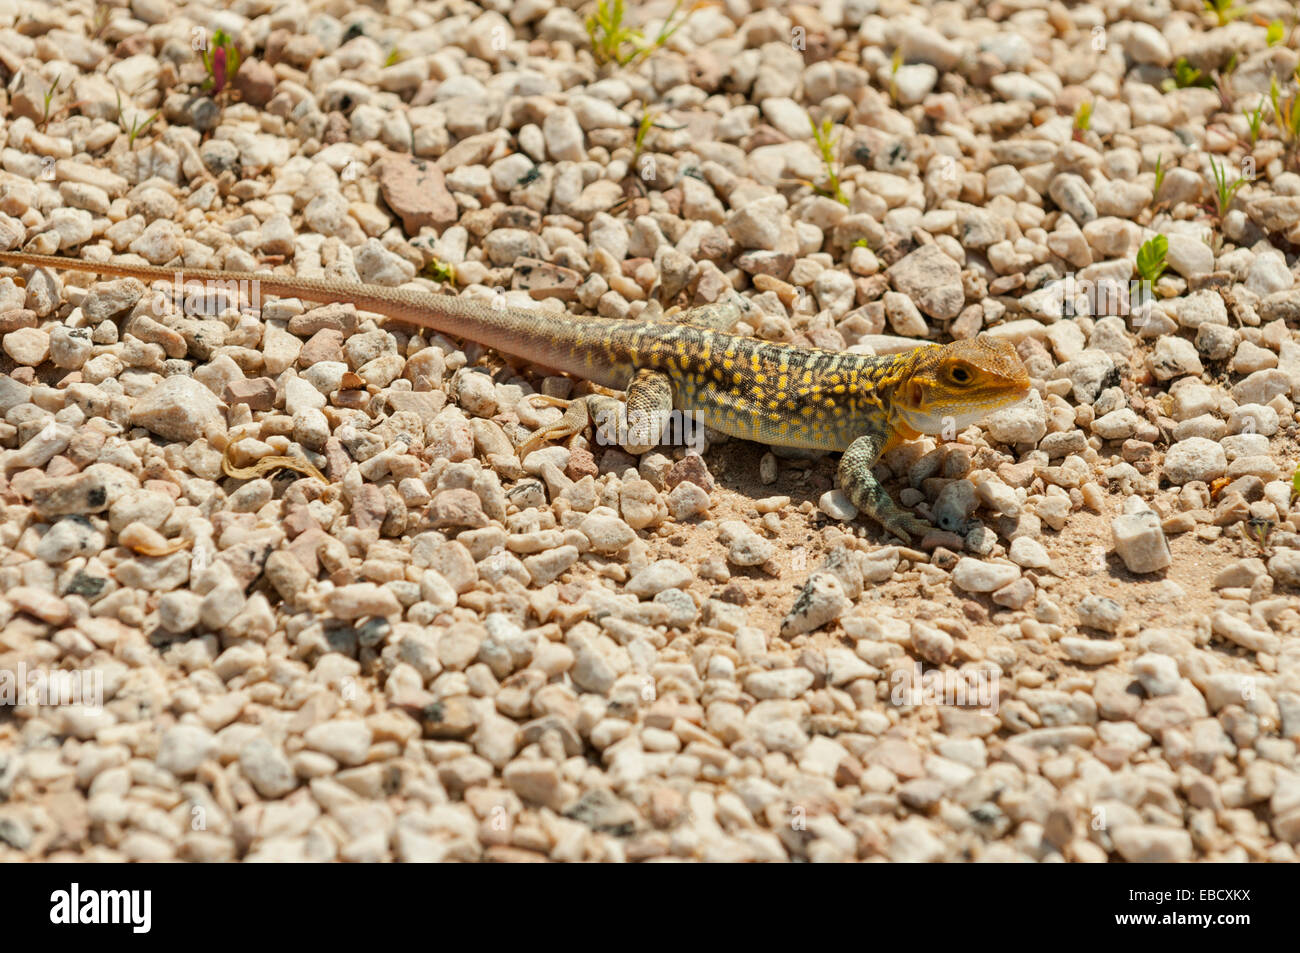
588 347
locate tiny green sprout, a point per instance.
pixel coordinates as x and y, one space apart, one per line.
1082 118
1258 531
1287 113
642 130
1223 189
1253 121
1160 177
1225 11
1276 32
861 243
1295 484
1186 75
394 57
441 271
1151 262
137 126
671 26
221 60
895 64
47 97
822 135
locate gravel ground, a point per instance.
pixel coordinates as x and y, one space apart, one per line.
428 651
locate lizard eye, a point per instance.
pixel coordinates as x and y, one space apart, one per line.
960 375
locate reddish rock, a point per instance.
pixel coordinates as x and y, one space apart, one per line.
452 508
325 345
416 191
369 507
255 82
257 392
693 469
581 463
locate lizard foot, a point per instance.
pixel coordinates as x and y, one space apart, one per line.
574 421
903 524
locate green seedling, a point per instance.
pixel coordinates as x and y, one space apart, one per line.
221 60
1160 178
1151 262
137 126
1287 113
895 64
1254 120
1082 119
1225 11
1185 76
642 130
1223 189
822 135
47 98
612 41
441 271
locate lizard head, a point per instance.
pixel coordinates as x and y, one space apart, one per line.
956 385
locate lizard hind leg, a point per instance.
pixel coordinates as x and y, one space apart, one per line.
645 415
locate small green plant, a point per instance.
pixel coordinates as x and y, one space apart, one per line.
1082 119
1253 121
1276 32
608 34
671 26
611 38
1223 189
133 131
895 64
1259 531
1287 113
1160 178
221 60
394 57
642 130
1151 262
439 270
1225 11
1186 75
1295 484
47 98
862 243
826 146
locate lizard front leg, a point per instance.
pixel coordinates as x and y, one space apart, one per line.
635 425
865 492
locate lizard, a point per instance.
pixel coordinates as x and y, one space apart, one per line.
778 394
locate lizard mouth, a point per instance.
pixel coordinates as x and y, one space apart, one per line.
955 417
